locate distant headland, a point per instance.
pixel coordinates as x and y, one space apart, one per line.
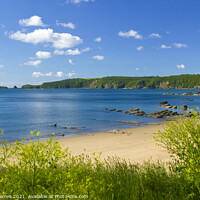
117 82
3 87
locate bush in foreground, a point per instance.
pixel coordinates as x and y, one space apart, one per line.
44 168
182 139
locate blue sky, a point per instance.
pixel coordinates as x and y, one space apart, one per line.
49 40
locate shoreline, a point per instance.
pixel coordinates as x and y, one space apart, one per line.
133 144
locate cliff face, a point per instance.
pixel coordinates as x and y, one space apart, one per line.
164 85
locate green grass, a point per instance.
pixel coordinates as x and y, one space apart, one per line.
44 168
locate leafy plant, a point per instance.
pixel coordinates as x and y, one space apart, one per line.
182 139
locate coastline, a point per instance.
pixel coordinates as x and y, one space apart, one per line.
134 144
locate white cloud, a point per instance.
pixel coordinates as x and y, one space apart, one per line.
59 40
38 74
59 52
129 34
73 52
43 54
60 74
50 74
180 45
137 69
140 48
165 47
86 49
78 1
97 57
70 62
66 25
70 74
154 35
2 66
33 63
180 66
32 21
98 39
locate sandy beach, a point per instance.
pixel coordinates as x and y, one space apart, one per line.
134 144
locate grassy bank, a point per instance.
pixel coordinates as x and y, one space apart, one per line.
44 168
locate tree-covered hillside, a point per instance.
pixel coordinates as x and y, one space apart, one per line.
176 82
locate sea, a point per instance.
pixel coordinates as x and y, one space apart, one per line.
25 110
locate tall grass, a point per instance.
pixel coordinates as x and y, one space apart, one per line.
44 168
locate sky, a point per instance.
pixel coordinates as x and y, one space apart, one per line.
51 40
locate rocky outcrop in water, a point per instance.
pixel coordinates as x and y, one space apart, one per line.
128 122
163 114
185 94
136 112
196 93
165 104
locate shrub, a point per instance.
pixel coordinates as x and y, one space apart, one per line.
182 139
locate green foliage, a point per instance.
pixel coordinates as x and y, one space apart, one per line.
181 81
35 168
3 87
182 139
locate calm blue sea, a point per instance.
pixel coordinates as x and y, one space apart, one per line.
24 110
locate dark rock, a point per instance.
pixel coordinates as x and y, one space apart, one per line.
174 113
162 114
62 134
54 125
188 93
117 132
111 109
137 112
76 127
134 110
168 94
128 122
163 102
189 99
189 114
197 93
118 110
184 107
